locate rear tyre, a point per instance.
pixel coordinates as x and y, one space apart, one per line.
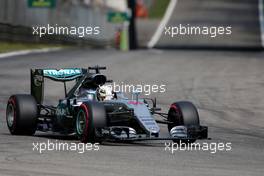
90 117
21 114
183 113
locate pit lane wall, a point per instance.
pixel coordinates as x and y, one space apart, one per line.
17 20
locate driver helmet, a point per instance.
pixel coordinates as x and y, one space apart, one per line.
105 92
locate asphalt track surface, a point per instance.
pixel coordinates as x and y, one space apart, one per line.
241 15
227 88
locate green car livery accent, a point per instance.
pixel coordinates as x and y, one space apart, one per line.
63 74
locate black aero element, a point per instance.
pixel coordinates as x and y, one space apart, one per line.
95 118
197 132
97 68
95 79
24 113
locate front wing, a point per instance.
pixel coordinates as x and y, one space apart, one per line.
193 133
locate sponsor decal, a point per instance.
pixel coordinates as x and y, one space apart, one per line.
135 102
62 73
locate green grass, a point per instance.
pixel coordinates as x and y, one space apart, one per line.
158 8
14 46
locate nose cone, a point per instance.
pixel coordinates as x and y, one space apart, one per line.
154 129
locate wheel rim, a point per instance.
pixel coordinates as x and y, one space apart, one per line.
10 115
80 122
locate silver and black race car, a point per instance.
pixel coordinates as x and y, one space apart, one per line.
94 113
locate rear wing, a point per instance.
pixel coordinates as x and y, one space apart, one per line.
62 75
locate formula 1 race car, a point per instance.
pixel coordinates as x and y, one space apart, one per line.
93 112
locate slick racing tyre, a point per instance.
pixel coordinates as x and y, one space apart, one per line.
183 114
21 114
90 117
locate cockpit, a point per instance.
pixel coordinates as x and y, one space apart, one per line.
94 88
101 93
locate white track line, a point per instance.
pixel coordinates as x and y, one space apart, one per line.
155 38
25 52
261 22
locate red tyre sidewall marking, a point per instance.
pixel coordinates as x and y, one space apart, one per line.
175 108
85 134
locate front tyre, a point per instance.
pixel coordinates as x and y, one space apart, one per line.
183 113
21 114
90 116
